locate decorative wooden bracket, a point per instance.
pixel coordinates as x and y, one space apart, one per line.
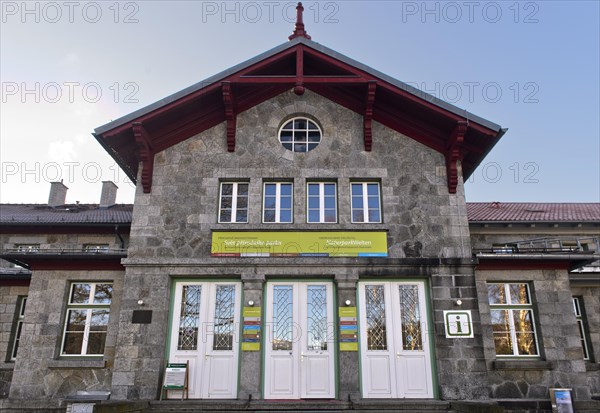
230 115
368 116
146 155
299 88
454 154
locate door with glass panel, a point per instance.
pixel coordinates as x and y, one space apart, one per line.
394 342
299 347
205 329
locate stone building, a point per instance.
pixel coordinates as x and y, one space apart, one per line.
300 232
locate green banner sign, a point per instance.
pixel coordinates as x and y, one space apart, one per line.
299 244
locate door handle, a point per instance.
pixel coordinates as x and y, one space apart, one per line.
398 355
301 357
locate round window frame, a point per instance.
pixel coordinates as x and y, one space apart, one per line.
293 142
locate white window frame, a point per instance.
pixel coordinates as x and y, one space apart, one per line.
306 130
22 302
278 197
581 326
321 202
95 248
27 247
510 307
89 307
234 199
365 198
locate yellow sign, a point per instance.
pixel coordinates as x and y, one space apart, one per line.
348 346
299 244
250 346
251 312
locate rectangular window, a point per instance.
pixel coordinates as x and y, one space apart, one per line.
27 247
277 202
366 202
21 302
322 202
512 319
233 202
580 324
95 247
86 323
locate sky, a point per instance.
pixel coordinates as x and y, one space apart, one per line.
67 67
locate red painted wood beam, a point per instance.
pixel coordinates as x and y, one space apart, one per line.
145 154
454 154
299 88
368 116
262 64
342 80
230 115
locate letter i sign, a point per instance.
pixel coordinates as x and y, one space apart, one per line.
458 324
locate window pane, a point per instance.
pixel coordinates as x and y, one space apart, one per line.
313 189
314 136
225 216
357 202
300 124
300 136
313 202
358 216
76 320
374 216
329 202
329 189
80 294
313 216
286 136
526 344
103 294
357 189
375 314
496 294
330 215
223 322
287 146
518 293
300 147
411 318
373 202
99 320
242 189
501 329
312 146
226 202
503 344
317 317
312 126
289 125
286 189
282 317
96 343
189 316
270 189
286 203
270 202
373 189
242 216
73 343
227 189
269 215
285 216
522 319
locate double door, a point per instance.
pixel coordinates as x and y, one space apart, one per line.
394 340
205 331
299 343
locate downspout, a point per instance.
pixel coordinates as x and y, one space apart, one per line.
120 237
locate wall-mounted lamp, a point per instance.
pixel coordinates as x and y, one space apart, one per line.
251 303
140 302
348 302
459 302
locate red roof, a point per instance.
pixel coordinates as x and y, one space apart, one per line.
19 214
532 212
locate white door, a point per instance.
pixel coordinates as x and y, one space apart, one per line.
394 342
299 346
205 330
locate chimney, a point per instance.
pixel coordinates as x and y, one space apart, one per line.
108 197
58 194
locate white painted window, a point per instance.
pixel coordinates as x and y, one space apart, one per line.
233 202
278 202
322 202
86 323
581 325
21 302
366 202
95 248
300 135
27 247
512 318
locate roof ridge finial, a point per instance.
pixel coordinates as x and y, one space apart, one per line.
299 28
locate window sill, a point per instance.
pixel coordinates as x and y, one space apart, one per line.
77 364
7 365
589 366
523 365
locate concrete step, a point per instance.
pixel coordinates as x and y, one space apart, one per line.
299 406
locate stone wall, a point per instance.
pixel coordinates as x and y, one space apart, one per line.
61 241
39 373
10 297
561 361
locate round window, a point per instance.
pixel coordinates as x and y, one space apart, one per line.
300 135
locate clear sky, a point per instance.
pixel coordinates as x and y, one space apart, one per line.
532 66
